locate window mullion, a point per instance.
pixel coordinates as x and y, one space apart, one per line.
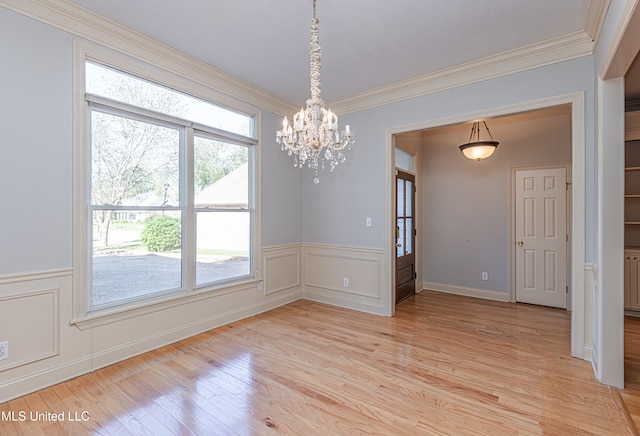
189 229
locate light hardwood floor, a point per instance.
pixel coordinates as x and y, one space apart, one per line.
444 365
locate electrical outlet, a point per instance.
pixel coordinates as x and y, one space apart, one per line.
4 350
485 276
345 282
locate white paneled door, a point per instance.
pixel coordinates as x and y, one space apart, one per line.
541 237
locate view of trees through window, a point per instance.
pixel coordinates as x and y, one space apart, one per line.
140 137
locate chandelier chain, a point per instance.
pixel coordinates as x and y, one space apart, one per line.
315 55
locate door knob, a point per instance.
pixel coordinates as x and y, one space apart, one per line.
398 245
520 243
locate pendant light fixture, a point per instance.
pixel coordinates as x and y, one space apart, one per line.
314 137
476 149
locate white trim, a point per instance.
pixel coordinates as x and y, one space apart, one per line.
533 56
467 292
608 343
623 47
319 295
595 18
34 381
151 305
375 251
271 255
54 292
577 102
83 23
591 283
35 275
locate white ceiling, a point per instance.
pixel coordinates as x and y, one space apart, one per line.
365 43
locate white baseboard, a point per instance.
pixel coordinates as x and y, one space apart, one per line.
345 301
42 379
588 354
467 292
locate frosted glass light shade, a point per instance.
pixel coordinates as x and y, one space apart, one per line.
479 150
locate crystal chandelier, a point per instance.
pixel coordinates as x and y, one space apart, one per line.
314 137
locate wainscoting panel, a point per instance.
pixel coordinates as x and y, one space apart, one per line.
44 349
281 268
29 322
348 277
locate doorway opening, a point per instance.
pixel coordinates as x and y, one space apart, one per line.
473 205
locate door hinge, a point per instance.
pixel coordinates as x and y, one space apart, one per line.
566 289
415 232
415 275
567 238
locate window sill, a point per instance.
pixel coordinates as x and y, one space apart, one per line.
120 313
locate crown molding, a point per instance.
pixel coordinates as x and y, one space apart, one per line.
555 50
595 18
85 24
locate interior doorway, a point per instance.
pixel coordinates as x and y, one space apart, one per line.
575 105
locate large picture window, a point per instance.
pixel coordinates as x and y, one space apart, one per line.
170 195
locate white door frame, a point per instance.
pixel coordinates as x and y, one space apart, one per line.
608 335
512 225
576 100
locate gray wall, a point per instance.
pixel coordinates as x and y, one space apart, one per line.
36 233
466 204
36 165
334 211
281 189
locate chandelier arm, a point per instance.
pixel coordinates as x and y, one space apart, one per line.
290 145
337 146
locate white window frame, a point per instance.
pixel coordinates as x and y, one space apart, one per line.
84 317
